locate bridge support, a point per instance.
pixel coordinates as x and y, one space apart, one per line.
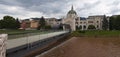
3 42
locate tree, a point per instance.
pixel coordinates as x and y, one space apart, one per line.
114 23
17 23
8 22
42 23
91 27
48 27
111 20
105 23
1 24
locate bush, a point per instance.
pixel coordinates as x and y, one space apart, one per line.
48 27
81 31
91 27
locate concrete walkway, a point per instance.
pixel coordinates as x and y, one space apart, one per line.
25 40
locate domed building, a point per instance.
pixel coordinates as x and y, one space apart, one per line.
73 22
69 20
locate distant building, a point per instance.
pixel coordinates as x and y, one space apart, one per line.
74 21
25 24
71 22
34 23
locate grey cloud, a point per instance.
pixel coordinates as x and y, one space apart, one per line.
115 3
88 6
114 11
44 6
55 7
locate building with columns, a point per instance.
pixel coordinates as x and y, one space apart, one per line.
71 22
82 23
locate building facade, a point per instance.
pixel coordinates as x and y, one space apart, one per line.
71 22
82 23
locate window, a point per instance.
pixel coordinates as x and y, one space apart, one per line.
84 27
76 22
84 22
80 22
76 19
97 21
97 26
90 21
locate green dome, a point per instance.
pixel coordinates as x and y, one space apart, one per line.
72 12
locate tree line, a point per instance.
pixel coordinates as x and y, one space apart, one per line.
114 22
9 22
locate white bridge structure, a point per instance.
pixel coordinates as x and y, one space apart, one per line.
29 43
30 39
12 45
3 42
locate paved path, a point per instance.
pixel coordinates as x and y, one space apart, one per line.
24 40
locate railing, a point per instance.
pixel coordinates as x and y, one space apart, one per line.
31 41
26 34
3 42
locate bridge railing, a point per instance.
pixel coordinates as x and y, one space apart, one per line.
31 41
3 42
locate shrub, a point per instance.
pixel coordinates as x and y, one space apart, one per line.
91 27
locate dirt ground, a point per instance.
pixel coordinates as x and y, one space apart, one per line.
86 47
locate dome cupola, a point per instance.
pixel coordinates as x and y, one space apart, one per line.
72 11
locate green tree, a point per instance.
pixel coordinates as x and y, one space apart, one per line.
111 23
17 23
48 27
114 23
8 22
105 23
91 27
1 24
42 23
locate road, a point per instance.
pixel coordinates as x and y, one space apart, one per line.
25 40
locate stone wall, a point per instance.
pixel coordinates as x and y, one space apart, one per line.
3 42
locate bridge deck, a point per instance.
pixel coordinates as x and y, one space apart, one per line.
25 40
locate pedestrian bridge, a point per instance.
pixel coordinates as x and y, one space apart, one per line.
18 47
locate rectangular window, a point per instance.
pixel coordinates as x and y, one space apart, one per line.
90 21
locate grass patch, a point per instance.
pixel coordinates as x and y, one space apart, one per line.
95 33
13 34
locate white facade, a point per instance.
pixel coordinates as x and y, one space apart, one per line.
3 42
74 21
70 19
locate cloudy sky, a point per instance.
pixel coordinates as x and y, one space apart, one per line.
57 8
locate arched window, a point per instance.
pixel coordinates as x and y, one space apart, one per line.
91 27
80 27
97 21
84 27
97 26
